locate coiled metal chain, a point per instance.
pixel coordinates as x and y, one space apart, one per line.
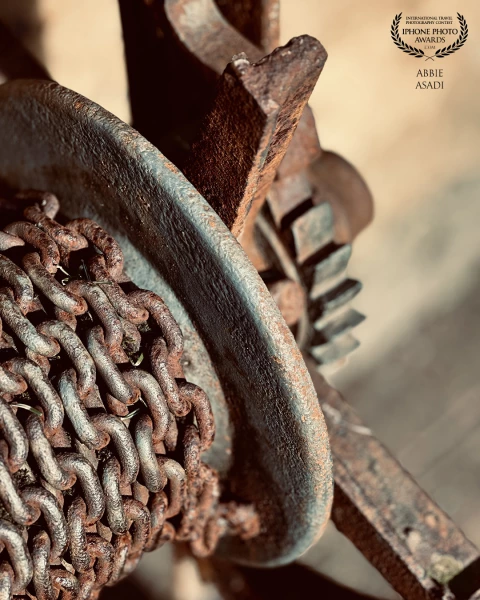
100 457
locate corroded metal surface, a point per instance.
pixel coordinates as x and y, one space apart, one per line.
245 136
116 434
392 521
250 146
239 158
54 139
175 53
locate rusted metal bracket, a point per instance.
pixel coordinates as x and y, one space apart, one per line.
249 149
175 52
392 521
247 133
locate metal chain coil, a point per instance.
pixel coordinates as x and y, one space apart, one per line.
101 437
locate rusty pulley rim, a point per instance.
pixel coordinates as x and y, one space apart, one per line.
52 138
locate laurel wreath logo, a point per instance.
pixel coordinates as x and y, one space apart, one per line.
418 52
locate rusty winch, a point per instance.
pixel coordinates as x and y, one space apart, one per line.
155 374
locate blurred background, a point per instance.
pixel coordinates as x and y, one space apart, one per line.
415 379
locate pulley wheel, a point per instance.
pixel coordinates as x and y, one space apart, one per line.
271 447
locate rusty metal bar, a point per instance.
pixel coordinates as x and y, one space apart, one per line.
392 521
246 134
177 49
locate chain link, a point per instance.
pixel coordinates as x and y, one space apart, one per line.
102 456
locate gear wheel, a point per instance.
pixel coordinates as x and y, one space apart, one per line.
305 252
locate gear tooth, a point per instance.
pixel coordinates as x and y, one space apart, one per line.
333 352
329 266
334 299
289 200
330 330
312 231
